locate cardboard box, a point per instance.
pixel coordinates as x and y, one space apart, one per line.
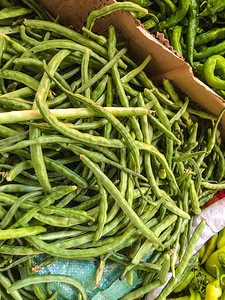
164 62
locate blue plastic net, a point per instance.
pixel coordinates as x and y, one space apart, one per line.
110 287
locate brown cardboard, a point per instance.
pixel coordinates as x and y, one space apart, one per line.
164 63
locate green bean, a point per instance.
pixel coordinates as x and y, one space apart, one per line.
37 7
147 246
194 199
142 290
221 164
53 296
20 93
163 129
18 250
69 33
35 279
126 78
174 256
66 44
20 116
39 140
17 262
185 157
61 127
101 99
102 213
12 13
212 138
46 201
84 71
180 113
98 157
100 88
173 94
213 186
60 234
15 103
7 132
21 77
198 175
19 188
11 212
66 172
129 90
26 38
18 168
3 44
91 86
176 210
92 125
209 171
153 151
183 241
107 67
164 269
21 232
175 235
58 221
122 186
5 282
108 9
38 160
120 200
120 258
100 39
109 102
201 114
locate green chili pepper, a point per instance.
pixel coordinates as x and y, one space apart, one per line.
221 239
213 289
194 294
177 16
213 63
213 260
209 248
186 281
209 277
221 258
212 7
192 29
175 39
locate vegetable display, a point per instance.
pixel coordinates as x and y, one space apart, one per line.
96 160
196 31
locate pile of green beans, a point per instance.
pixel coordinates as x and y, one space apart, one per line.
196 31
96 161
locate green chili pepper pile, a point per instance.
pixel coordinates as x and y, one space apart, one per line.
196 30
96 161
204 279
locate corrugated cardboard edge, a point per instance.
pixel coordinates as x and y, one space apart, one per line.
164 63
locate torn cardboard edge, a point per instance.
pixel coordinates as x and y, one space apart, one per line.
141 43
